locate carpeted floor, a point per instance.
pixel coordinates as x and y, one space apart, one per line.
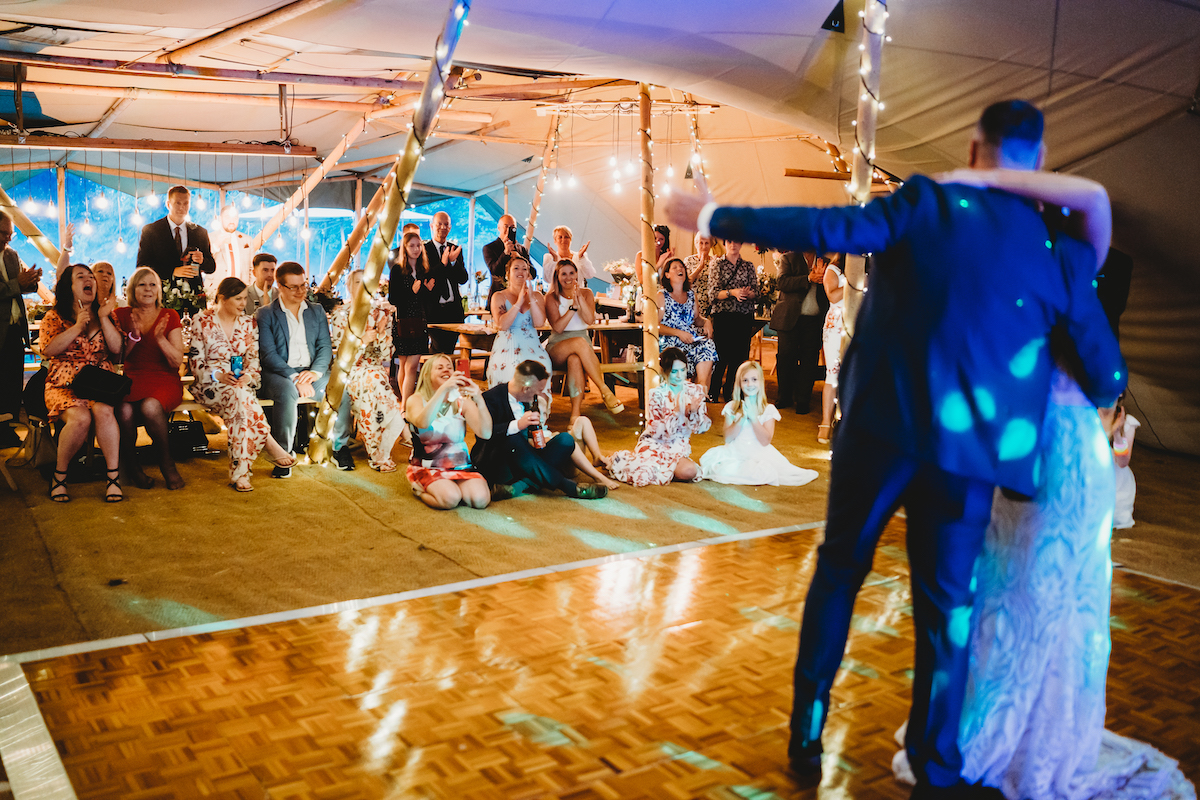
86 570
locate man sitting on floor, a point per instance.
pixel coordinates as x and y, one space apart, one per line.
511 464
295 354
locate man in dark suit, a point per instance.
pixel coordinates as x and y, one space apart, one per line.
295 352
510 463
446 267
498 252
943 392
176 249
798 318
15 280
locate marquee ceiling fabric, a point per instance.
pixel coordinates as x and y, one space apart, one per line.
1115 77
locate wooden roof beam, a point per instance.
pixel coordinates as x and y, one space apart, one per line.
243 30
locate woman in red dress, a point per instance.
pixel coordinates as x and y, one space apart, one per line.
153 353
77 332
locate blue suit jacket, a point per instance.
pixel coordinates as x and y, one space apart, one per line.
951 357
273 339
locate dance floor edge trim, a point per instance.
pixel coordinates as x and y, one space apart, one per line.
35 771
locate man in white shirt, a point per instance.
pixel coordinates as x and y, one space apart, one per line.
262 289
176 249
295 353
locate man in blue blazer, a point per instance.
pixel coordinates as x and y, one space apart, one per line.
294 352
943 392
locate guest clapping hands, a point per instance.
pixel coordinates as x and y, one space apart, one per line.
517 311
571 307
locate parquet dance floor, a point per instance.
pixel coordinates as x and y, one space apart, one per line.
662 676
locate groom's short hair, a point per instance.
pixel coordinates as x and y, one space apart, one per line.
1014 127
533 369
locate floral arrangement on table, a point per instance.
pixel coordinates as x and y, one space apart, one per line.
768 290
625 276
182 298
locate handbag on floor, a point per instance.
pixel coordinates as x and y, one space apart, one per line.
185 437
100 385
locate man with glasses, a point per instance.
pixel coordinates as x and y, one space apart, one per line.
15 280
295 353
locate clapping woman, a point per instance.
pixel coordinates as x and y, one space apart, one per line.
224 356
153 353
570 308
562 252
408 284
78 332
517 311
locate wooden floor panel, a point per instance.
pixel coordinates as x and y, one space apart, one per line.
660 677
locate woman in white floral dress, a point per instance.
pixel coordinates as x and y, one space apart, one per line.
377 412
516 312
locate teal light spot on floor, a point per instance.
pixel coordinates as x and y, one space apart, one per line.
606 664
1026 359
542 730
495 522
613 508
677 753
844 765
909 675
613 544
350 479
985 404
756 614
964 203
955 414
1116 623
165 613
1018 439
868 625
734 497
752 793
850 665
892 551
694 520
1125 593
959 626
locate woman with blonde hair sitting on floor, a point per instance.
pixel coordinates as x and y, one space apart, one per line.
377 411
444 404
224 358
570 308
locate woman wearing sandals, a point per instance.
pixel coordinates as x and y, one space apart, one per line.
224 358
77 332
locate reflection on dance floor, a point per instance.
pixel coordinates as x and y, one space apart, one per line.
667 676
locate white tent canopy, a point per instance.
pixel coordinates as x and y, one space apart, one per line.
1116 80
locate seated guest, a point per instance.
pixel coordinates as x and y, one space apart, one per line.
498 252
224 357
674 411
517 311
294 347
153 353
681 325
439 412
408 283
76 333
562 252
374 405
570 308
262 290
509 461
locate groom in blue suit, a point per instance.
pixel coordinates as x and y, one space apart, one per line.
943 392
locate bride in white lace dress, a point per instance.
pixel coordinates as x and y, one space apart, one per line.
1033 717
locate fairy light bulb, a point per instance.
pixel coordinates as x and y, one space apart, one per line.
629 168
136 218
201 204
152 200
279 240
120 244
617 188
612 160
245 201
695 157
101 201
571 181
617 175
30 206
305 233
50 210
670 171
86 227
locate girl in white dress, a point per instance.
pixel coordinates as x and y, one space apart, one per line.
747 456
1124 428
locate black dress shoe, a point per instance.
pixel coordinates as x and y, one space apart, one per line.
803 409
805 765
591 491
281 472
343 459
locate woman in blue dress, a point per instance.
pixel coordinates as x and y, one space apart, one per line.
681 325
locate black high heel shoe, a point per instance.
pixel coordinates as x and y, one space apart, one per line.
56 483
113 483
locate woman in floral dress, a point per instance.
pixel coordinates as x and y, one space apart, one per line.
517 312
674 411
377 411
219 336
681 325
76 333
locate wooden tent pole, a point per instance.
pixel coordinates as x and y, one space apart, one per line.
652 375
551 137
61 176
425 115
355 239
301 194
862 167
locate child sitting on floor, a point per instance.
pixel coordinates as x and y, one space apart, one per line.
1124 427
747 456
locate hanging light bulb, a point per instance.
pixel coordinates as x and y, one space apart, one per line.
120 244
245 201
86 227
101 201
152 200
305 233
201 203
30 206
695 157
670 171
292 221
667 189
136 218
279 240
557 182
629 168
617 175
571 181
617 187
612 160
